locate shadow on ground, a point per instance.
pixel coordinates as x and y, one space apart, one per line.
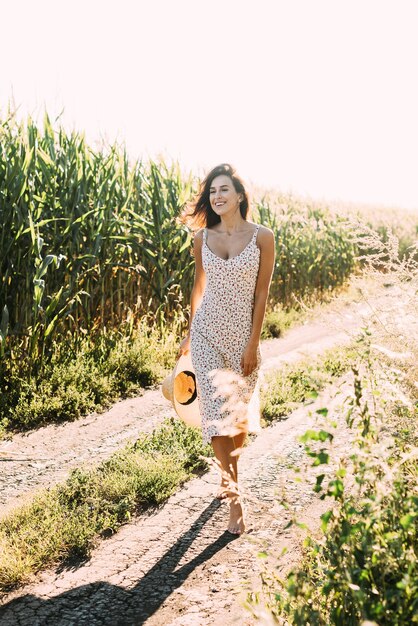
106 604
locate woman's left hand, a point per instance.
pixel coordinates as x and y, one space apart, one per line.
249 359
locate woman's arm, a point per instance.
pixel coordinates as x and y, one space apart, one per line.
199 277
198 288
265 272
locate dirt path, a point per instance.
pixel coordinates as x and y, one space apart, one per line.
45 456
176 565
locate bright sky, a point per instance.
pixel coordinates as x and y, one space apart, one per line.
318 97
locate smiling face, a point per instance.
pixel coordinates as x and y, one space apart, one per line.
222 195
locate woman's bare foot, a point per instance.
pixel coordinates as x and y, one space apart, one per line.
236 516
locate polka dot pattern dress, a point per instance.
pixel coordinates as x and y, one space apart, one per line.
220 330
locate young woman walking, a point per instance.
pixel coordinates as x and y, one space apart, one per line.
234 261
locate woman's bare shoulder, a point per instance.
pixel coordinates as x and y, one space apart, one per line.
265 235
198 235
264 229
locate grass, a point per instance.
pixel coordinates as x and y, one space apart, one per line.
278 320
84 378
285 389
64 523
88 376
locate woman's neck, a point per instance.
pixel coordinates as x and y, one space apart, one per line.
231 224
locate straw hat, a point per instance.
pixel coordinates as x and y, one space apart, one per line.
180 388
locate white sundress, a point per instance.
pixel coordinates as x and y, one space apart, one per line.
220 330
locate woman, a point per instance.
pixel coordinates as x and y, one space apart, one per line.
234 263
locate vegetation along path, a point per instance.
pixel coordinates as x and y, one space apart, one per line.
175 565
45 456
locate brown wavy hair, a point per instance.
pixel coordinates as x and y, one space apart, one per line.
199 213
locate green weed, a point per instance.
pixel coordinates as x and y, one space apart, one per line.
363 566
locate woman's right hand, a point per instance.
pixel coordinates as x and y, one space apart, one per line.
184 346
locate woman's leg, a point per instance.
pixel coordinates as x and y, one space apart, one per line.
227 450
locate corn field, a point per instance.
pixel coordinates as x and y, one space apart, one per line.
86 237
90 239
314 251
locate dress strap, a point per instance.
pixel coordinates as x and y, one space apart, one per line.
204 235
254 238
